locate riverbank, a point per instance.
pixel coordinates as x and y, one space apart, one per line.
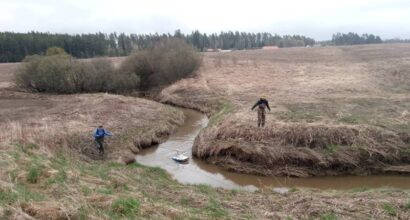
197 171
35 184
335 110
66 122
57 122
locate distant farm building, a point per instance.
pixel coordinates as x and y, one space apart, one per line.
270 48
212 50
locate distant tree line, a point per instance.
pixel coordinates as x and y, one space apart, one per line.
354 38
397 40
15 46
243 40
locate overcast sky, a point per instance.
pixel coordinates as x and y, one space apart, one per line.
315 18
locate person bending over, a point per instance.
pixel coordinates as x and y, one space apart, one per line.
262 104
99 135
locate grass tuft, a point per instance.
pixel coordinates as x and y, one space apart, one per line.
407 206
205 189
331 149
328 216
26 195
227 107
349 119
125 207
360 189
33 174
7 197
215 210
390 209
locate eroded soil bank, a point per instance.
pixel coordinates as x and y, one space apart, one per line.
196 171
301 150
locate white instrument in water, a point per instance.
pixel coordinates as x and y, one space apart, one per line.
180 157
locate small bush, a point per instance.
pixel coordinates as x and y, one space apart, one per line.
126 207
166 62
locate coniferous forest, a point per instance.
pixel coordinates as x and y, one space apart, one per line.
15 46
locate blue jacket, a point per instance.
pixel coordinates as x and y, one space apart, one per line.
101 132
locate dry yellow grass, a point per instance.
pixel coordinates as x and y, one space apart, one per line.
70 120
333 108
6 74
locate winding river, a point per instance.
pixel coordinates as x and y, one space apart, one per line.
199 172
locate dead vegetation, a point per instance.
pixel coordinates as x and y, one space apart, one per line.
301 149
193 93
335 110
70 121
67 121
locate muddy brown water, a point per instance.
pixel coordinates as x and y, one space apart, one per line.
199 172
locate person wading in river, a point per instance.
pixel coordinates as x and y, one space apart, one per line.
99 135
262 104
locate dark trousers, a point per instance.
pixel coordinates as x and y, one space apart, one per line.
261 117
100 143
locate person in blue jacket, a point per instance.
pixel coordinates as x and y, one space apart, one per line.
99 135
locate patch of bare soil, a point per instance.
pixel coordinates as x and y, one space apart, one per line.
6 73
335 110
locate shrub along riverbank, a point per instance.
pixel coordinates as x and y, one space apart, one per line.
162 64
